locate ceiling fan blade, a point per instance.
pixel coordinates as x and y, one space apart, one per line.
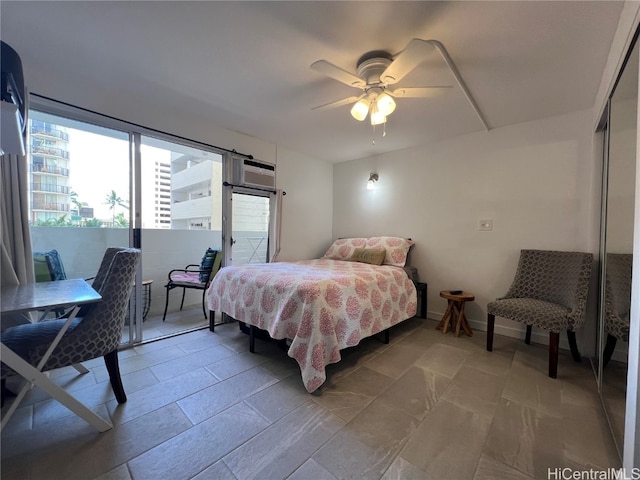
337 73
417 92
339 103
414 53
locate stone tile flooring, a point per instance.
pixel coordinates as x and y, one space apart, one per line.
426 406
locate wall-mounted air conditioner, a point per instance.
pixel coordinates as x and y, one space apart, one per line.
252 173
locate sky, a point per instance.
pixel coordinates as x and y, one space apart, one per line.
100 164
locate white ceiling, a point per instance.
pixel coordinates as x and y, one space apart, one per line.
245 65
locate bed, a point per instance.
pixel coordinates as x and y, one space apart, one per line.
357 289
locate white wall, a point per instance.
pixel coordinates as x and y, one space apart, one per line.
535 180
307 206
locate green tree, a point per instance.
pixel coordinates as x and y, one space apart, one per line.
75 201
54 222
113 200
92 222
121 221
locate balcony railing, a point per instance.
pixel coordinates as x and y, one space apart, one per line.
58 207
46 187
39 167
49 131
47 150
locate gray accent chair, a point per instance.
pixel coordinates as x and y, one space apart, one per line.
549 291
95 332
617 303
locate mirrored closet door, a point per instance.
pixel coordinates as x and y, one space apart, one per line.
617 245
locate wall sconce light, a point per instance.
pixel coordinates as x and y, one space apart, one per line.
373 178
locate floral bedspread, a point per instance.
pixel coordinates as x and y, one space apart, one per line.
322 305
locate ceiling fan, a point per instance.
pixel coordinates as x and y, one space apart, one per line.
377 73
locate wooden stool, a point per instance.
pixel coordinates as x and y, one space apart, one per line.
454 316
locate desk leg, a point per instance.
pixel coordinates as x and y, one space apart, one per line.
32 375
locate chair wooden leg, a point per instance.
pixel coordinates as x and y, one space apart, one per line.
573 345
491 320
527 337
166 304
212 321
554 341
609 347
111 362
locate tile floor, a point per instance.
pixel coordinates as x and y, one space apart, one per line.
178 321
426 406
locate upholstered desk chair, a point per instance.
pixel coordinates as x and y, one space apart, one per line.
549 291
95 332
617 303
194 276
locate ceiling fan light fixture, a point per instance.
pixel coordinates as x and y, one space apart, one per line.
378 118
360 110
385 104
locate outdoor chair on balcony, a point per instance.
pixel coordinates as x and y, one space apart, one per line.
48 266
194 276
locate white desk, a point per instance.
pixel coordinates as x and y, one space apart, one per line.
47 296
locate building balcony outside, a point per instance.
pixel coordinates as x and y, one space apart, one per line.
197 176
46 130
49 206
42 168
49 150
196 208
48 188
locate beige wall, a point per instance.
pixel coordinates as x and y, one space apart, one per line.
535 180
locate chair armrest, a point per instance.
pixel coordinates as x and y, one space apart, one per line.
186 270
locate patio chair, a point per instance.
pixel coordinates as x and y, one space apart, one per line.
48 266
194 276
95 332
549 291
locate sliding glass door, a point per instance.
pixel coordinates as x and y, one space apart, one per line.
79 190
93 187
98 182
180 217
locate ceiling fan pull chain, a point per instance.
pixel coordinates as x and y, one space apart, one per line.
384 129
373 140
